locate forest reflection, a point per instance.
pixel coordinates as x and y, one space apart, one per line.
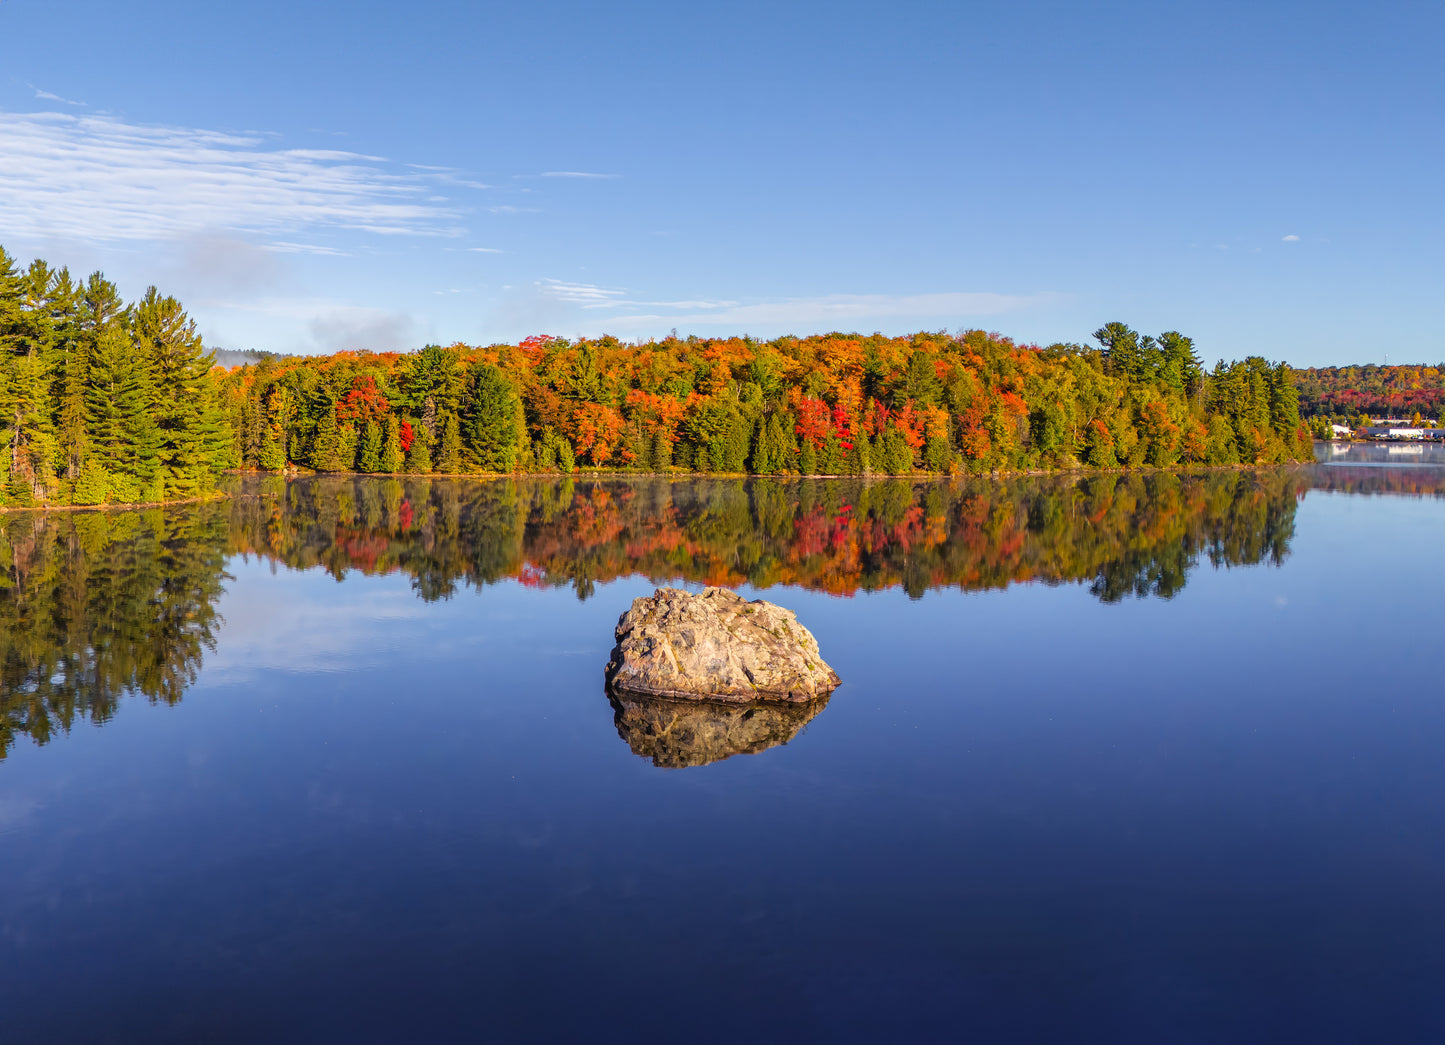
96 605
1122 534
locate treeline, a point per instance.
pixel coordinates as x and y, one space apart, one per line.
1349 395
97 605
102 401
832 405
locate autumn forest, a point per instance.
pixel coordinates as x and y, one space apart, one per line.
103 401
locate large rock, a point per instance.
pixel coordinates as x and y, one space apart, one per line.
679 733
716 646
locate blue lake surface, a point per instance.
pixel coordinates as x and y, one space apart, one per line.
1133 759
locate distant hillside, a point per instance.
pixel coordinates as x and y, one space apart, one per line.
1348 391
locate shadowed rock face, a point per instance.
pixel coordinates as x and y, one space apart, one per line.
716 646
679 733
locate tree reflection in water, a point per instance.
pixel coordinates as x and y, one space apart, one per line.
94 605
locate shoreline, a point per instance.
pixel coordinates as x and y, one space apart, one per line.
603 473
219 495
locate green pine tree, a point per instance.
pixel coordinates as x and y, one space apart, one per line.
326 444
192 430
449 457
418 456
120 398
490 430
391 456
373 442
93 484
661 451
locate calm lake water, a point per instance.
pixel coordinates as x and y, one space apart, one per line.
1126 759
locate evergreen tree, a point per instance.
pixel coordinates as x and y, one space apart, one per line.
191 428
449 458
431 385
1121 349
1284 402
557 451
373 442
894 454
418 457
326 455
120 396
936 453
271 457
347 438
661 451
728 450
1182 370
774 451
93 484
808 458
490 431
391 457
920 382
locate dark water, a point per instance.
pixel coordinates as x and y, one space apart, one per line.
1146 758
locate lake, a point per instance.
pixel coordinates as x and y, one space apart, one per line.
1124 758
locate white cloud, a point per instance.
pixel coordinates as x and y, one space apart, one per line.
559 304
286 247
484 250
588 295
100 179
576 174
841 310
47 96
333 326
1291 238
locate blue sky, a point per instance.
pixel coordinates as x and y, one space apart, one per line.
310 176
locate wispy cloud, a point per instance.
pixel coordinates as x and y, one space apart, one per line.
1291 238
588 295
47 96
286 247
483 250
577 174
101 179
333 326
559 302
834 310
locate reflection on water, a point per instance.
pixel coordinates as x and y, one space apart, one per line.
678 733
94 605
1135 534
1380 468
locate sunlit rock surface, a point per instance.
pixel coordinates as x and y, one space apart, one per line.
678 733
716 646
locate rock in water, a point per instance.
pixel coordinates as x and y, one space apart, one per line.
716 646
680 733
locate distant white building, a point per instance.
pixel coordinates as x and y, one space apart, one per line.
1401 433
1344 431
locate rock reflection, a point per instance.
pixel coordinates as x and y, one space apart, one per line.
678 733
